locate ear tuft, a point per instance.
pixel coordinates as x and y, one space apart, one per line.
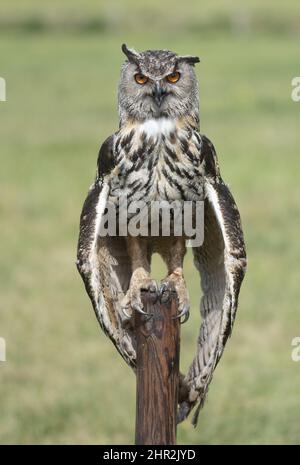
131 54
189 59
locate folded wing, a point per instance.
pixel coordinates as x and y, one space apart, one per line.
221 261
103 262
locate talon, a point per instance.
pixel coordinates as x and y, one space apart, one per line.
164 292
147 316
184 313
185 317
162 289
138 308
165 287
125 313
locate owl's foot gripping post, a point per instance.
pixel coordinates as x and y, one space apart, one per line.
172 251
140 279
173 254
177 282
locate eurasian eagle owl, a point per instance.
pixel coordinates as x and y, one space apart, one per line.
158 154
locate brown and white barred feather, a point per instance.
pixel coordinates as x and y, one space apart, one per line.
104 265
221 261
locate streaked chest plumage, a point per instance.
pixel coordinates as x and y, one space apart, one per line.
157 160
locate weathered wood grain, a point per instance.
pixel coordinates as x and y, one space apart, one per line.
158 345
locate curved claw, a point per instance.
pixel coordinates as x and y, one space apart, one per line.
124 310
138 308
163 288
185 314
164 292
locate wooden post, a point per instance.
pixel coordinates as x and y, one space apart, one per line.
158 344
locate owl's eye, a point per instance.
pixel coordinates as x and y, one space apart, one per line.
173 77
140 78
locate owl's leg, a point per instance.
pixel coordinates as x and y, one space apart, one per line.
173 254
140 279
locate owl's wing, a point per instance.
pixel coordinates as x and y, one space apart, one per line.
103 262
221 261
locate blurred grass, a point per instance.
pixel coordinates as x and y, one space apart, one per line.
63 381
272 16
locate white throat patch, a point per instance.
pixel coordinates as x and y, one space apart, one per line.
157 127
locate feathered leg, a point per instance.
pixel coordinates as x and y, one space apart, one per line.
173 254
140 279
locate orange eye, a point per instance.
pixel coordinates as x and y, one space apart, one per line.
173 77
140 78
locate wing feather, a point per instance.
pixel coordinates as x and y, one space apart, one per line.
221 261
103 262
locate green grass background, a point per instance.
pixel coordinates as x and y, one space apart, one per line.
63 382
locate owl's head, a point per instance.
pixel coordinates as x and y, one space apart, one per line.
157 83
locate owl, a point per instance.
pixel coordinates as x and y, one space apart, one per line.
159 155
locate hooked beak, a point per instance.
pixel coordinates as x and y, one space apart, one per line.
158 94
